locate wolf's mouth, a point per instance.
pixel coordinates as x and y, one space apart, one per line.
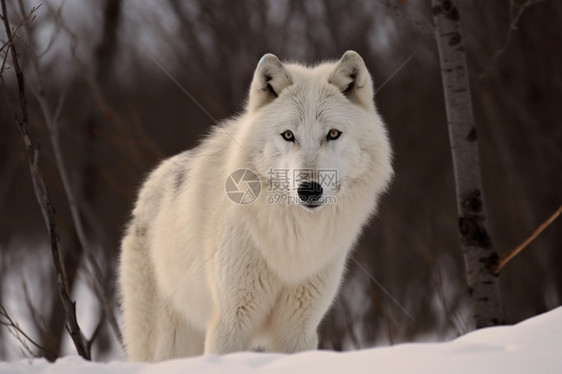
311 206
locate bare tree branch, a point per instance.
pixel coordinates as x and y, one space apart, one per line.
57 16
452 318
346 314
49 340
18 333
27 19
60 22
515 251
96 332
512 27
53 128
421 26
44 200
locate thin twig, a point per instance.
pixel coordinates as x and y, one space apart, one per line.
348 324
515 251
52 353
452 317
421 26
27 19
96 332
18 333
59 20
44 200
56 31
396 71
512 27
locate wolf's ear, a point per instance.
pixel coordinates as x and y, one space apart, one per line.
353 79
270 78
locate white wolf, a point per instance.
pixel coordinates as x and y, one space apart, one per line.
201 274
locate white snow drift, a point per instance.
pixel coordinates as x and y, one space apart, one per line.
532 346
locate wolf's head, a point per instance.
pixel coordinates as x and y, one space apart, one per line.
314 133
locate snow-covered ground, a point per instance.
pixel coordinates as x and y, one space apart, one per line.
533 346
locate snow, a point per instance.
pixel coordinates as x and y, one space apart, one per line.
532 346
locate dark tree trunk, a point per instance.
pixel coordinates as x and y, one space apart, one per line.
105 56
106 50
476 244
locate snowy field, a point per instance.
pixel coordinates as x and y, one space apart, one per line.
532 346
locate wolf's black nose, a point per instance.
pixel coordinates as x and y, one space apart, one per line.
310 193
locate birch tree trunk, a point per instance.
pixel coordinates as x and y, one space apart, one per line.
476 244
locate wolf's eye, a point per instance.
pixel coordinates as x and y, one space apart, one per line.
333 134
288 136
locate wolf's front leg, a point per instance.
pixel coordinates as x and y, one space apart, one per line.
244 294
295 319
299 310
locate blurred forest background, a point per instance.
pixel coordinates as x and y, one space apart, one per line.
102 69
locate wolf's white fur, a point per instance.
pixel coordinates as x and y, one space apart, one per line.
200 274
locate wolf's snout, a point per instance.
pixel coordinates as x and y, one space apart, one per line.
310 193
